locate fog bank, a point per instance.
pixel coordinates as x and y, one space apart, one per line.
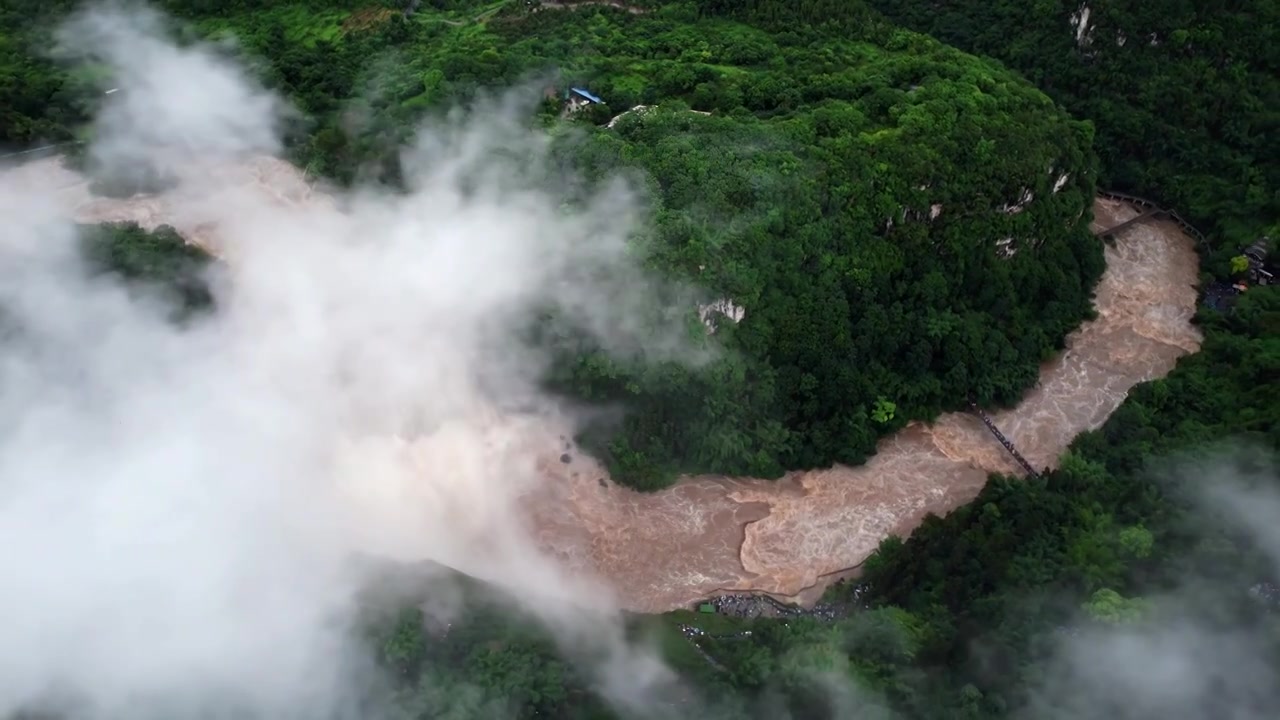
182 507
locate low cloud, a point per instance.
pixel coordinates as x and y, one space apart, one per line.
1204 648
170 106
182 507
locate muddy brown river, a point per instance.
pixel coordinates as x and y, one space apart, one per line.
793 537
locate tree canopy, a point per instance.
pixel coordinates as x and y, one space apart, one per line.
806 195
1183 94
899 225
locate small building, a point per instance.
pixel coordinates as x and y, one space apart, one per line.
1261 271
579 97
1259 250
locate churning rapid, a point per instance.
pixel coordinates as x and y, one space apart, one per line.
793 537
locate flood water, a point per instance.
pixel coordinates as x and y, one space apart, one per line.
793 537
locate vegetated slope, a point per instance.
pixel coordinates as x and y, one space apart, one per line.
158 267
977 614
970 606
903 224
38 101
159 262
980 614
1184 94
1118 533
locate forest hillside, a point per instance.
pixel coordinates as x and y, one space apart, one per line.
904 225
1006 608
1183 95
888 227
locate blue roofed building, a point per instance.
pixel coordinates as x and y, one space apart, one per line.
579 97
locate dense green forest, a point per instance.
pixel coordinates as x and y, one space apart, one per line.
975 614
969 617
159 262
858 191
1185 95
965 619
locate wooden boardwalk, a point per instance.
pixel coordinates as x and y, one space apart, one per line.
1008 444
1116 229
1149 210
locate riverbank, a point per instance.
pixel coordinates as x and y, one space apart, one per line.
792 538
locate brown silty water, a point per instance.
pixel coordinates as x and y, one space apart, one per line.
795 536
193 211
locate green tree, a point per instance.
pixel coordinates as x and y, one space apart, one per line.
883 411
1109 606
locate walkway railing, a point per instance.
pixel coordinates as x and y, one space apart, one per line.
991 425
1114 229
42 148
1150 209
